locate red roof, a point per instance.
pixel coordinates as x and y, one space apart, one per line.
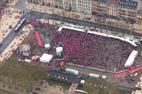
39 39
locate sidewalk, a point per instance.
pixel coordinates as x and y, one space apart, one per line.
15 43
8 21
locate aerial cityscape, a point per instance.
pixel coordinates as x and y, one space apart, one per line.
70 46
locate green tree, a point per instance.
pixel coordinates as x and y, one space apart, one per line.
100 86
21 74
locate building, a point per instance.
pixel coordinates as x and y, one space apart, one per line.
99 8
129 8
119 8
119 13
82 6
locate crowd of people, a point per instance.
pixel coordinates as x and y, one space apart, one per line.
90 50
86 49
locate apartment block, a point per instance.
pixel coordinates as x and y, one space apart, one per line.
99 7
120 8
82 6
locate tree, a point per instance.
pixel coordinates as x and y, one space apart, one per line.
100 86
22 75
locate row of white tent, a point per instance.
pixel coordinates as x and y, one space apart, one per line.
130 61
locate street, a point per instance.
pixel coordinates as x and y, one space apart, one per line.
80 22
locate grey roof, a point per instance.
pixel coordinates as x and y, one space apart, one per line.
131 4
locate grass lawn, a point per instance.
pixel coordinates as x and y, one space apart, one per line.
5 92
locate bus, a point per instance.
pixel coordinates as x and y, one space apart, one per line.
16 29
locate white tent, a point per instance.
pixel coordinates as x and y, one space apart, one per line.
59 51
46 58
131 58
47 46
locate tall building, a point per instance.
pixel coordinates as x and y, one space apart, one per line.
82 6
99 8
119 8
129 8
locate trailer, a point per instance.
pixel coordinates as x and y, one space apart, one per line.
72 71
92 75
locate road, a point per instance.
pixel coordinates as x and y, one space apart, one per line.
8 39
80 22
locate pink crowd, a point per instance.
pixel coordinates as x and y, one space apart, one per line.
86 49
89 50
